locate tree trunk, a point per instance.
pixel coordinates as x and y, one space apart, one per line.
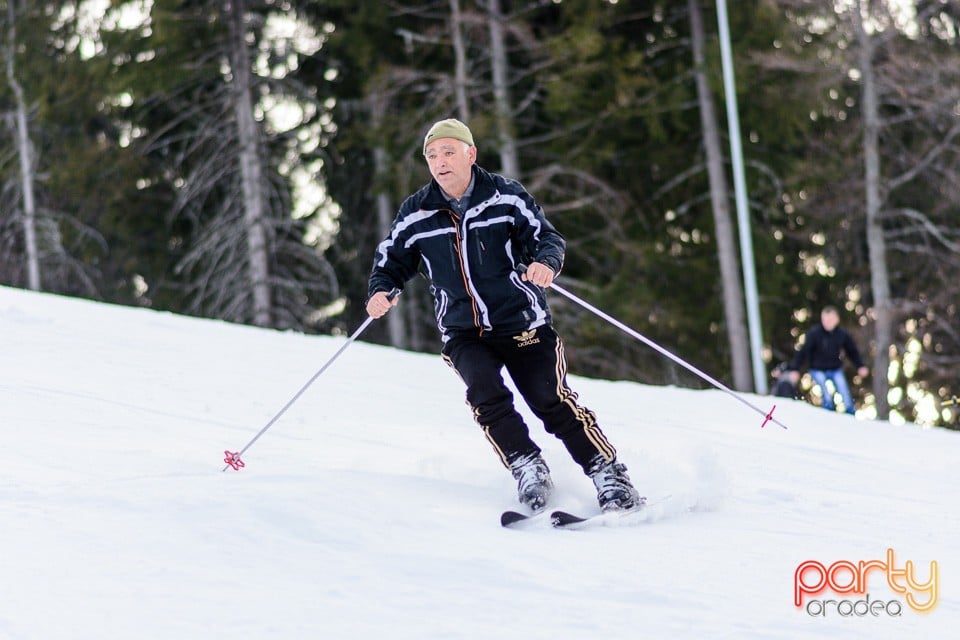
25 152
396 322
876 244
733 303
397 326
460 62
509 158
250 168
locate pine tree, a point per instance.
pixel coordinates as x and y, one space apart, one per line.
210 73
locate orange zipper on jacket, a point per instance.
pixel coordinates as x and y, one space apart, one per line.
463 272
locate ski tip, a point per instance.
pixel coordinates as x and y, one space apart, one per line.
509 518
564 519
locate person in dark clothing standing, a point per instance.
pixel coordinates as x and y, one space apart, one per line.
822 347
470 231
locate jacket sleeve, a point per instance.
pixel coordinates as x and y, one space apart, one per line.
803 353
540 241
393 263
850 348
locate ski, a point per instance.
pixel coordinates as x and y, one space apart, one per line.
517 520
510 518
566 520
562 519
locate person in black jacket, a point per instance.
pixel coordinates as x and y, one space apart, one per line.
822 347
471 232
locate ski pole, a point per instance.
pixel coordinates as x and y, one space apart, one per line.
232 458
767 416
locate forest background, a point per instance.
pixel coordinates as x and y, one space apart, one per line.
240 159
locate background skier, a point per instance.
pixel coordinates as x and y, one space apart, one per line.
822 347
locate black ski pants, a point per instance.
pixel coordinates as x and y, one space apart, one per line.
536 363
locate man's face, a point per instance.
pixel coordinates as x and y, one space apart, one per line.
450 160
829 320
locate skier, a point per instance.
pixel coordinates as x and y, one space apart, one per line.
822 346
470 231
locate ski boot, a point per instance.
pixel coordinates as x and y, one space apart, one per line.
534 485
615 492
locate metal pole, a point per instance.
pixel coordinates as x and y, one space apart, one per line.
768 416
233 458
743 211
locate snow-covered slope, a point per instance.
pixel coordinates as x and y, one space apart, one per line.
370 510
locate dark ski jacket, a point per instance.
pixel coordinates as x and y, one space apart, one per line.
471 260
822 348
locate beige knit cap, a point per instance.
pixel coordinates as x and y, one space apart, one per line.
449 128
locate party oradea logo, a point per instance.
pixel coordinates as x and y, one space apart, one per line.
814 583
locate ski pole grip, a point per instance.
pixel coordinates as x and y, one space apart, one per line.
393 294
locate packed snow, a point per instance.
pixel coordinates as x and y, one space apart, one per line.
371 508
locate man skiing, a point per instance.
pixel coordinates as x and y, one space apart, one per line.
470 232
822 346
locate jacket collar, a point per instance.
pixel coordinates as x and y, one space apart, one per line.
483 188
